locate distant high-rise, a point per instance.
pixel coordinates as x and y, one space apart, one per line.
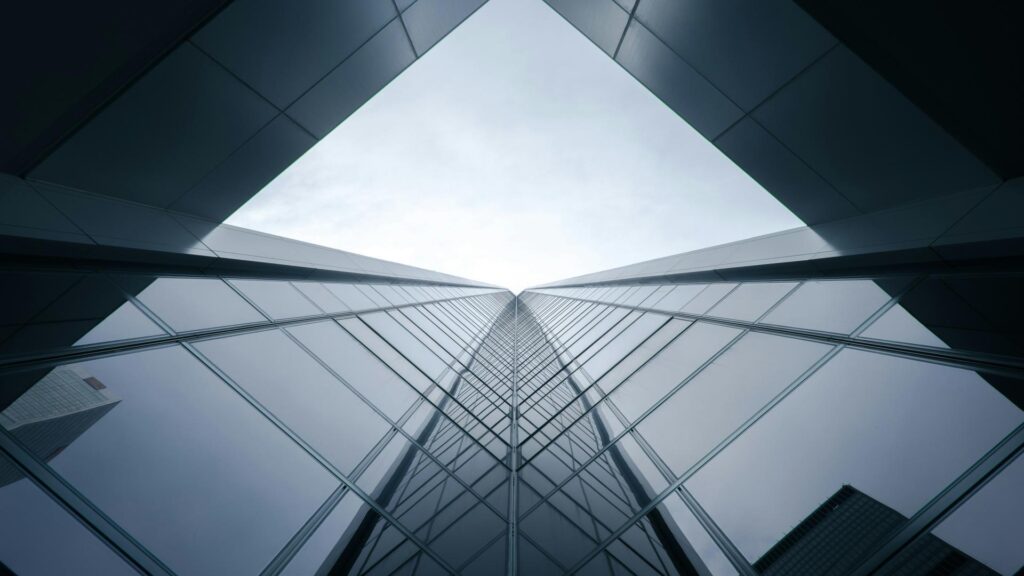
179 396
53 413
833 538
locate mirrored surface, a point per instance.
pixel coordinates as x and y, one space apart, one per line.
37 536
173 455
894 430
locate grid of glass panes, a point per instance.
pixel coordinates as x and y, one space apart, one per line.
746 406
400 428
278 418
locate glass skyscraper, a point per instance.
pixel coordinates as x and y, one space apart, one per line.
180 396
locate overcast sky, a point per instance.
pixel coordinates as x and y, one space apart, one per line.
515 152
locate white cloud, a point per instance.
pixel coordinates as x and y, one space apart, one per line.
515 152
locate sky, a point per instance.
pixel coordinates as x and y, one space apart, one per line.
515 152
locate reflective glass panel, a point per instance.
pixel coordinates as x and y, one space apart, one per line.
278 299
351 296
43 312
306 397
188 304
829 306
321 296
707 298
990 526
880 432
670 367
357 366
749 301
174 455
724 394
37 536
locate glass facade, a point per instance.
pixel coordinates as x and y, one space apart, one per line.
180 396
205 425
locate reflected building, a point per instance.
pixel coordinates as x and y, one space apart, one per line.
181 396
53 413
832 537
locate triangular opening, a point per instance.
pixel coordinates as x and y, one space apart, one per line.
515 152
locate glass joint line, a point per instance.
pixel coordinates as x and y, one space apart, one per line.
113 348
447 394
343 478
625 474
513 482
1003 365
97 522
947 501
397 476
581 394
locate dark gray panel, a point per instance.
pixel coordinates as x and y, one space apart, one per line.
247 171
51 312
280 49
998 216
783 174
959 63
909 226
65 60
430 20
159 138
118 223
600 20
24 212
676 83
353 82
747 48
867 139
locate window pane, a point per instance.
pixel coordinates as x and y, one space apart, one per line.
750 301
707 298
897 325
612 344
407 371
990 526
321 296
172 454
727 392
673 364
883 432
125 323
42 312
697 537
351 296
364 372
307 398
374 295
278 299
187 304
678 297
403 341
838 306
320 550
37 536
